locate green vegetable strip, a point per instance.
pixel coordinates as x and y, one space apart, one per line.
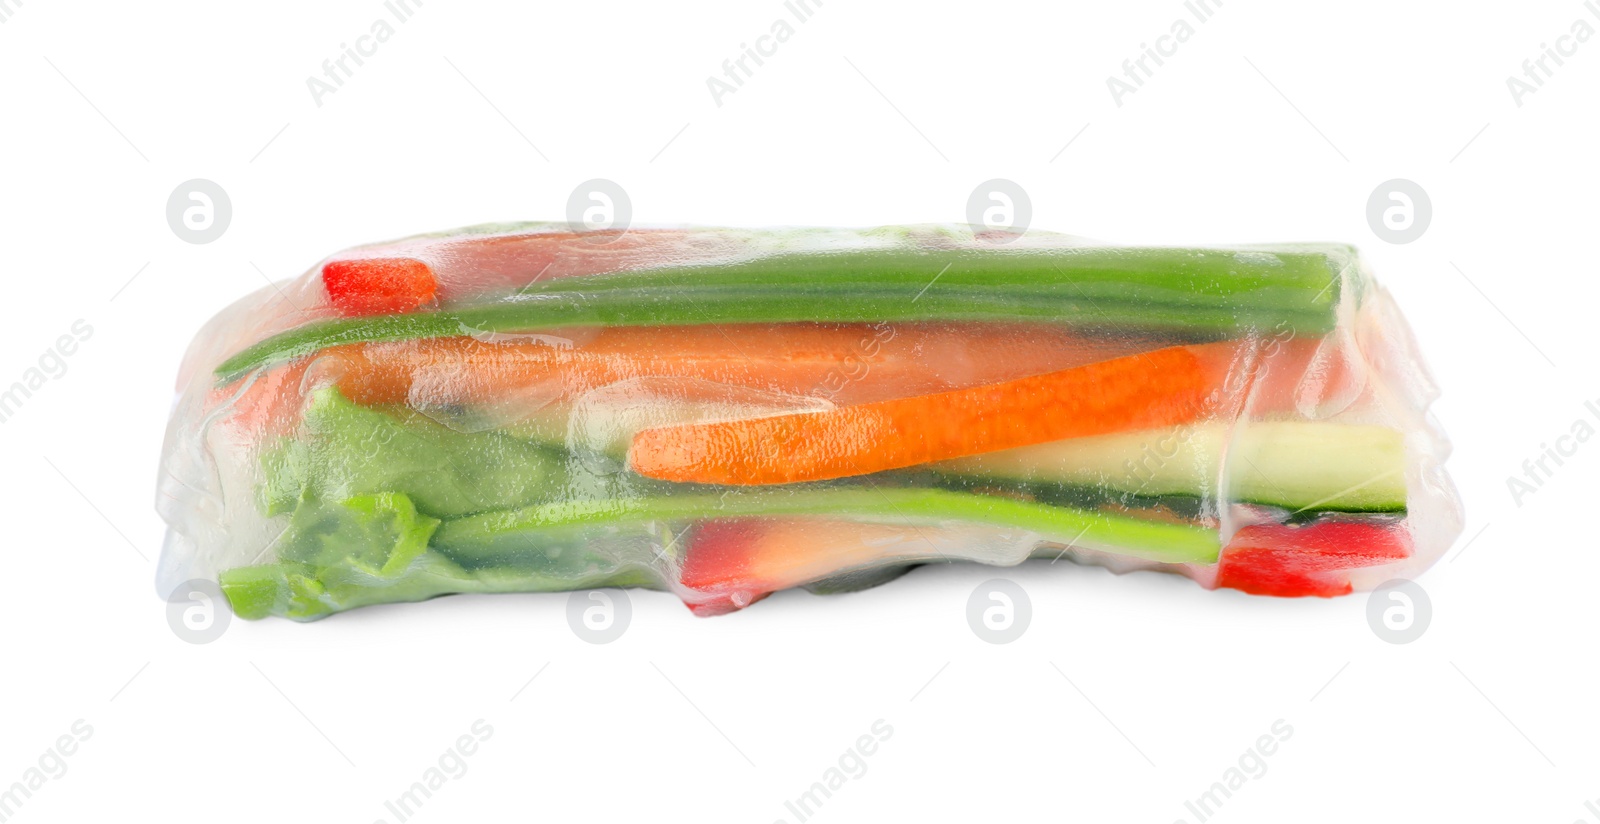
494 536
1184 276
1201 292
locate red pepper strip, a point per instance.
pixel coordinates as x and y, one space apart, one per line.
379 286
722 563
1297 561
733 562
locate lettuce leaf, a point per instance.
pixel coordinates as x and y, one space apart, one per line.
374 549
365 549
344 450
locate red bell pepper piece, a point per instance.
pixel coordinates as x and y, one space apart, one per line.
1313 559
379 286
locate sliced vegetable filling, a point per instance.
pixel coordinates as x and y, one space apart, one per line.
1161 388
729 415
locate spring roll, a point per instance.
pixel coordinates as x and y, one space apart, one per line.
727 413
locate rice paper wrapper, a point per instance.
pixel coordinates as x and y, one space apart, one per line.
725 413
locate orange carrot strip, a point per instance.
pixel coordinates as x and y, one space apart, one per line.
1160 388
841 363
846 363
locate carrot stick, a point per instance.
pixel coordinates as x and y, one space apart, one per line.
1160 388
844 363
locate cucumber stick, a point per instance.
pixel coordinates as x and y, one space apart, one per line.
1299 465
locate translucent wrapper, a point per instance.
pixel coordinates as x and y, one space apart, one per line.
726 413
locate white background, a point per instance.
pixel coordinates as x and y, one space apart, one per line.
1273 123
